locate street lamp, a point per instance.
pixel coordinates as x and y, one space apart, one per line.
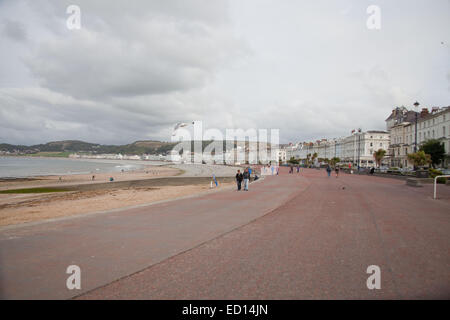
359 148
416 109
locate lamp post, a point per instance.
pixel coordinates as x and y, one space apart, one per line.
359 148
416 109
335 146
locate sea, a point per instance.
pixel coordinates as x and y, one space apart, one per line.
21 167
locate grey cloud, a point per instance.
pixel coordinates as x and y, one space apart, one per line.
311 69
14 30
148 54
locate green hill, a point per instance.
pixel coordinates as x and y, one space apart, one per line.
64 148
138 147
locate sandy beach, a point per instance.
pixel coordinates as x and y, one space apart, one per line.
17 208
65 180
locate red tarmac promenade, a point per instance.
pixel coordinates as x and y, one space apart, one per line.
293 236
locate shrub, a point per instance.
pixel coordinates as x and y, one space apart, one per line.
434 173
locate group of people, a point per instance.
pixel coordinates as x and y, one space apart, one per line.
270 170
291 168
336 170
243 177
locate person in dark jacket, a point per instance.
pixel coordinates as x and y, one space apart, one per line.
239 178
329 170
246 176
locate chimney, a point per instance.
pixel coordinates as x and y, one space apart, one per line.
424 112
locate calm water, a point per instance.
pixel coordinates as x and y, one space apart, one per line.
18 167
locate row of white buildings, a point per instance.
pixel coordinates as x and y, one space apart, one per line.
398 140
357 148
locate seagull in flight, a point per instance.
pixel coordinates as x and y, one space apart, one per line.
177 126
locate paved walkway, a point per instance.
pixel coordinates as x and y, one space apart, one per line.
295 236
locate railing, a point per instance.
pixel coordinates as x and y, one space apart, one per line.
435 182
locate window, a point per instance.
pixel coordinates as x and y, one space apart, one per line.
443 131
433 133
371 144
381 144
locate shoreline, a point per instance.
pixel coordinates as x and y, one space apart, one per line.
16 209
135 165
81 195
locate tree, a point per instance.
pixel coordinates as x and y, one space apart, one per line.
334 161
292 160
314 156
435 149
308 159
379 155
419 158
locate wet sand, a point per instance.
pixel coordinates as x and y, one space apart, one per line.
85 195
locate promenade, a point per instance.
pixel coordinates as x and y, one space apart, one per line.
293 236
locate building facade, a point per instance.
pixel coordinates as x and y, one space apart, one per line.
357 149
430 125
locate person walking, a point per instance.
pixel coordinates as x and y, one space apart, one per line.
329 171
336 169
246 177
298 168
239 178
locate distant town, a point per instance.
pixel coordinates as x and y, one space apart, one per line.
405 131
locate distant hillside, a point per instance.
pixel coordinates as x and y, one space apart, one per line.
138 147
69 146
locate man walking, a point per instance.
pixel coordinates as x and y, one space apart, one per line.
246 177
329 170
239 178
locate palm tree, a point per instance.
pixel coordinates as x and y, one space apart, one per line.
379 155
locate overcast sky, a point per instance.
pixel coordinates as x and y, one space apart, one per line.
309 68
